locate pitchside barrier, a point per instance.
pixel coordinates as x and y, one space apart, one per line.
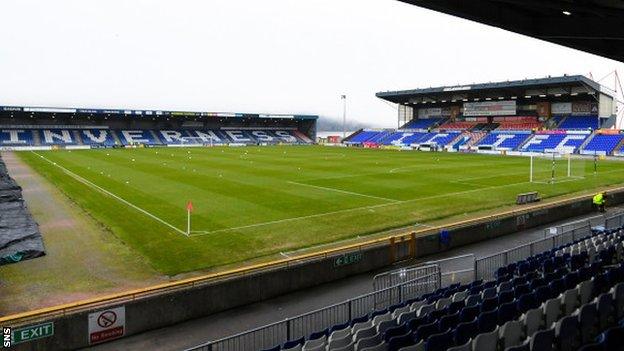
616 221
451 270
486 267
217 292
308 323
403 284
594 221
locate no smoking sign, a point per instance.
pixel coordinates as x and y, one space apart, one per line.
107 324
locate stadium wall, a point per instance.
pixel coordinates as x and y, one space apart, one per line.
176 302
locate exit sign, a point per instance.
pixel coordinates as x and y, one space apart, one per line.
347 259
32 332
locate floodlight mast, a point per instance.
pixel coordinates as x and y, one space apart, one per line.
344 116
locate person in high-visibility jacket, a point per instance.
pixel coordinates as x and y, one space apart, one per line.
600 201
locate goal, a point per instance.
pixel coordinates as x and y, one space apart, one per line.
196 141
556 168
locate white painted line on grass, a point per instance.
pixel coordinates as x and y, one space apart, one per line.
355 209
343 191
86 182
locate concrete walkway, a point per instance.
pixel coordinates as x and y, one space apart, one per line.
194 332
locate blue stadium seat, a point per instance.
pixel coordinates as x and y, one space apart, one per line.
603 144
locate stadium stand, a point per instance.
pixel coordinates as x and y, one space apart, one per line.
517 123
362 137
16 137
97 137
562 299
469 139
107 137
442 139
554 141
422 123
603 144
459 125
579 122
504 140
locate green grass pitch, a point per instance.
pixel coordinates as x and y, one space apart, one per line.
257 201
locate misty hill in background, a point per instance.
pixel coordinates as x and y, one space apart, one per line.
327 124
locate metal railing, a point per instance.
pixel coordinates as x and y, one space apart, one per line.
616 221
392 278
391 288
308 323
592 221
486 267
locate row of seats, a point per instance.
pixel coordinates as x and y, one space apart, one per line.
108 137
422 123
459 125
400 138
559 142
504 140
603 143
557 300
523 124
579 122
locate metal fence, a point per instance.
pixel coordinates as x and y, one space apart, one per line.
457 269
308 323
616 221
400 285
486 267
592 221
392 278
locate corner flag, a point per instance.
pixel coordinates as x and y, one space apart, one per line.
189 209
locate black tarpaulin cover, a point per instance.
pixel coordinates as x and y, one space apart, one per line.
20 238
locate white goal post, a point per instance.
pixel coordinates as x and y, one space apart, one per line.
555 167
196 141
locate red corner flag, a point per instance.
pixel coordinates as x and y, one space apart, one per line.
189 209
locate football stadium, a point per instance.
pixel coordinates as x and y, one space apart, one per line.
491 217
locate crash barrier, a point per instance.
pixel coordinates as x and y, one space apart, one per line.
594 221
486 267
613 222
458 269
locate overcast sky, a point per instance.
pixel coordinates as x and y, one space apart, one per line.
279 56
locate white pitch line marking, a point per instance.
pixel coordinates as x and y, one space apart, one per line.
86 182
354 209
342 191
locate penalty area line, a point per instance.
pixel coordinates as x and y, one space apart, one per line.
97 187
342 191
347 210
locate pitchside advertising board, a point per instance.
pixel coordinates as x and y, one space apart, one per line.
574 108
107 325
490 108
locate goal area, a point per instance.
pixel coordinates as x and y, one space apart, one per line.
556 168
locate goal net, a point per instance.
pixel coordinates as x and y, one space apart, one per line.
556 167
196 141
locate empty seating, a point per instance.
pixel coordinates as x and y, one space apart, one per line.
421 123
579 122
603 144
540 303
504 140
